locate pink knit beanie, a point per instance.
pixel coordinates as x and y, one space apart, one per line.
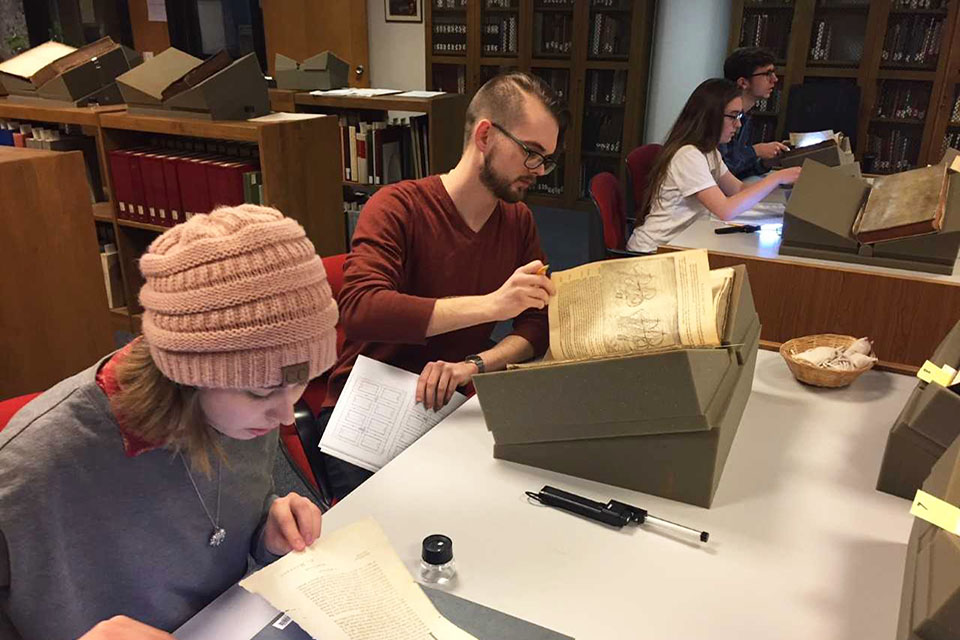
237 299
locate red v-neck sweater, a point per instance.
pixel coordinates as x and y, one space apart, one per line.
411 247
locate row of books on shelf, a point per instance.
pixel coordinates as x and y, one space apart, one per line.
771 104
903 101
610 4
951 140
822 40
607 87
551 184
63 137
770 30
920 4
382 152
449 37
552 33
450 78
500 4
165 186
603 130
110 266
558 79
890 151
554 4
913 39
610 35
500 34
955 111
450 4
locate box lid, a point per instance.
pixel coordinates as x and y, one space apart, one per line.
74 59
236 90
828 198
324 61
28 63
145 83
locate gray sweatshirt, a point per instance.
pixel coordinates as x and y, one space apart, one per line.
87 533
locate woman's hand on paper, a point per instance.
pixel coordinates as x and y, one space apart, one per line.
124 628
787 176
440 379
293 523
526 288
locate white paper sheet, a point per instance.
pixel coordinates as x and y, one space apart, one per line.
355 92
420 94
377 417
351 585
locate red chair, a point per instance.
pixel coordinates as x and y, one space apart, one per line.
639 165
303 435
608 200
9 407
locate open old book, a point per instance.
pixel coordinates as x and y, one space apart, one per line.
905 204
638 305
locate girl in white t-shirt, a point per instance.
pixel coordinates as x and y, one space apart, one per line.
689 178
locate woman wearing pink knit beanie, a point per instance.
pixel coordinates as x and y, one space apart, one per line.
133 493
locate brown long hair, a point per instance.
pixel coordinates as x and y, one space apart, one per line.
700 123
158 410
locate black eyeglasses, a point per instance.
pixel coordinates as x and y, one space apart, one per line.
734 116
770 73
534 159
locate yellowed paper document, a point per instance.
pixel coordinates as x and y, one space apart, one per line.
633 305
350 585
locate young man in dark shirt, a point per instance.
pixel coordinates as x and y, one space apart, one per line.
752 68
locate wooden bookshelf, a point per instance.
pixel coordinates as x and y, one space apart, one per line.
568 62
445 116
54 305
300 177
861 50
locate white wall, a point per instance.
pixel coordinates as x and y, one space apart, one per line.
689 45
397 51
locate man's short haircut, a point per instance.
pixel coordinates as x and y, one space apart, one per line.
744 62
501 100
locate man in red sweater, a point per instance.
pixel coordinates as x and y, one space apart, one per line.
436 263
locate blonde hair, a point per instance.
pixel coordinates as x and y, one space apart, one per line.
158 410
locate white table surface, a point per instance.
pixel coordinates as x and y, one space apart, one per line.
766 244
802 545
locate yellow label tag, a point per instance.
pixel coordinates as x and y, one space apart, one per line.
944 377
928 371
936 511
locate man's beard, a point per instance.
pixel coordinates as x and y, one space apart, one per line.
501 186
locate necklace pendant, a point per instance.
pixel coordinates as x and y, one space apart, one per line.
217 537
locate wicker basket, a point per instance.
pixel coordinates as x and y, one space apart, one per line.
816 376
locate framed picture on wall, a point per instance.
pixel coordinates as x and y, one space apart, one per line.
403 10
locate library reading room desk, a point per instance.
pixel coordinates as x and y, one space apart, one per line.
801 544
906 313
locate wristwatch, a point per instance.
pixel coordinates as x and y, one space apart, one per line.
478 361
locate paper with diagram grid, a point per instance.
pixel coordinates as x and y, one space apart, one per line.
377 417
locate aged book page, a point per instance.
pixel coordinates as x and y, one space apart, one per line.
350 585
721 285
31 61
903 204
633 305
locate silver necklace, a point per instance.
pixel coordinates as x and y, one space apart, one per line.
219 533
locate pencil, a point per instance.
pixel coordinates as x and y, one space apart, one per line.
542 271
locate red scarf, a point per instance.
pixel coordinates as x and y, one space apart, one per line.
133 445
